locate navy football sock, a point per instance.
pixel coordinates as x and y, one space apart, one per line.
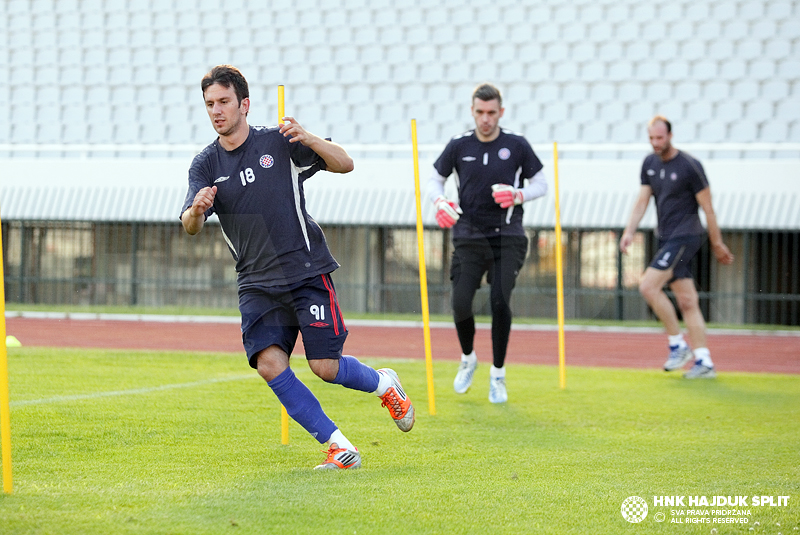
302 405
353 374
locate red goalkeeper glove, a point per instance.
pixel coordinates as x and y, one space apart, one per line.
506 195
447 212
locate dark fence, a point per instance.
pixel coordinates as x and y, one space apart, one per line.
158 264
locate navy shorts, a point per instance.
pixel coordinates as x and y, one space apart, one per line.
677 254
275 316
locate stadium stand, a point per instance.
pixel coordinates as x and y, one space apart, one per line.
111 71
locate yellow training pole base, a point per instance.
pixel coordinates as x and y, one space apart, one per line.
284 426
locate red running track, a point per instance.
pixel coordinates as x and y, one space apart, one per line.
748 352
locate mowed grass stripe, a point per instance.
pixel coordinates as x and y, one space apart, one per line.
131 392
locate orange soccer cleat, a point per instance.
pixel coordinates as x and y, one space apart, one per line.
340 459
396 400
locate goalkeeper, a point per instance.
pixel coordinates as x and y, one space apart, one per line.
492 168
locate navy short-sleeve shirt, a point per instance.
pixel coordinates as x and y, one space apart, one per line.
508 159
675 184
261 207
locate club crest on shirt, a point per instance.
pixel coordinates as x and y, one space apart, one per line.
266 161
673 176
504 153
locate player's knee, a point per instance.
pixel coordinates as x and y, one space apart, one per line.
271 362
687 302
500 308
268 369
648 290
462 308
325 369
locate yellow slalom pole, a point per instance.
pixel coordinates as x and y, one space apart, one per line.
562 367
5 406
423 277
284 414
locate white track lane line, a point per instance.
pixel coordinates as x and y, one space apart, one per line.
133 391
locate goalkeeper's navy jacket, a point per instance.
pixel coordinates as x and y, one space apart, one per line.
261 207
509 159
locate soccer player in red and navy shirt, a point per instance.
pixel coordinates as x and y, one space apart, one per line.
679 185
496 171
252 178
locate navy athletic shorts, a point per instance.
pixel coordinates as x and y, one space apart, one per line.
677 254
275 316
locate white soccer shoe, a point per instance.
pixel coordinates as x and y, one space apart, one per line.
497 390
700 371
463 380
678 358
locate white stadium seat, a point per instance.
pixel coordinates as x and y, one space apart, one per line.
759 110
789 28
775 90
680 31
743 131
729 111
641 112
761 69
612 112
763 29
602 92
700 110
778 48
697 12
592 71
716 91
565 132
624 132
776 131
677 70
721 50
724 11
788 110
687 91
745 90
713 131
595 132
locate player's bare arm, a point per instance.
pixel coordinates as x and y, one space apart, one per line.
639 208
721 251
336 158
193 218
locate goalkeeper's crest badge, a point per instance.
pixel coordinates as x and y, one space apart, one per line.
504 153
266 161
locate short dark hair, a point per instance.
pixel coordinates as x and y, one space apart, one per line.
487 92
661 119
226 76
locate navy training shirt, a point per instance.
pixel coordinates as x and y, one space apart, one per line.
261 207
509 159
675 184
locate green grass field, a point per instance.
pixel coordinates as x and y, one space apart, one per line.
118 442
